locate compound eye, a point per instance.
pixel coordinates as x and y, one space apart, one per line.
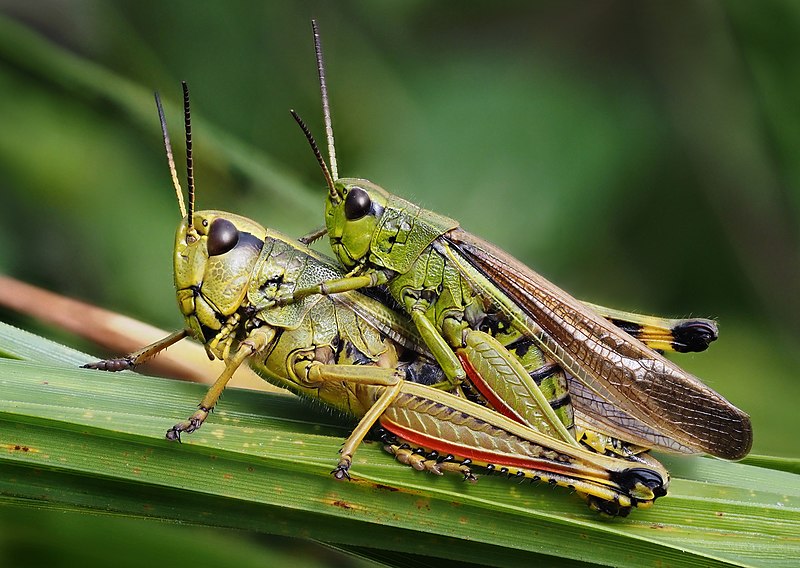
222 237
357 204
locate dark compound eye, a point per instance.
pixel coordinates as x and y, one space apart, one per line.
356 204
222 237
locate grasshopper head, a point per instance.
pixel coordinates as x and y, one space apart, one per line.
354 206
215 253
352 215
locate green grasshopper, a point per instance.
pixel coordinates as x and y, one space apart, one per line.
356 355
447 279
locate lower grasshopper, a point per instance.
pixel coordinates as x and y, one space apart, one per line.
356 355
448 279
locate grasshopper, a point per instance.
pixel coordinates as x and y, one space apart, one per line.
448 280
358 356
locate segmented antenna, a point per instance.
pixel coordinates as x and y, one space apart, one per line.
318 154
189 167
326 109
170 158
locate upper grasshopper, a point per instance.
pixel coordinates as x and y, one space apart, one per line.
355 354
447 279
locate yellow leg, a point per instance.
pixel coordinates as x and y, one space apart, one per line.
390 379
255 342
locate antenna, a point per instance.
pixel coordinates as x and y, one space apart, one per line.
189 167
326 109
314 148
170 158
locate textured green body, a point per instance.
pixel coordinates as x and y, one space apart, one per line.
325 330
404 233
405 241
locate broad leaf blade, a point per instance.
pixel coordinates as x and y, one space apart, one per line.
79 439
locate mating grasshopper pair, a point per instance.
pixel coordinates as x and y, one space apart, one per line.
505 339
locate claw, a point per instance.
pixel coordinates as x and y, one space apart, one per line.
174 434
188 427
341 472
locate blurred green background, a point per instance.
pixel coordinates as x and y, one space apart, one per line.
641 155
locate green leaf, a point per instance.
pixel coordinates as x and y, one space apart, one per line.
79 440
791 465
78 539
